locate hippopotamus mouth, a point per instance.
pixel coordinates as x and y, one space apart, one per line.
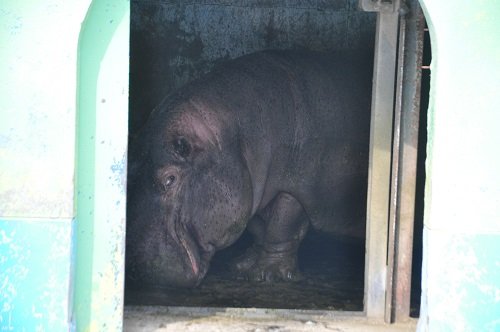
180 261
196 256
184 238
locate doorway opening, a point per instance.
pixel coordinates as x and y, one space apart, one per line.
172 43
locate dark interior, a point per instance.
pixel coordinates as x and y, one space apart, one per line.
173 42
416 288
332 268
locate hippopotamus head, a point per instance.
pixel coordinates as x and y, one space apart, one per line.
189 193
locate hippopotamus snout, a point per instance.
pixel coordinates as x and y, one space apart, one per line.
161 250
164 260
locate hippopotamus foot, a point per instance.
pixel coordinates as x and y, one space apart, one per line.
278 231
259 264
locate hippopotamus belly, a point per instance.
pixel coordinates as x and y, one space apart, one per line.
272 142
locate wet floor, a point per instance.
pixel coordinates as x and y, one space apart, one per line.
333 270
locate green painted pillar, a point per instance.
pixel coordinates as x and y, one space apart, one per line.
461 267
102 124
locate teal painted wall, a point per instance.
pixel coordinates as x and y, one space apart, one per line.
461 268
38 57
35 272
64 69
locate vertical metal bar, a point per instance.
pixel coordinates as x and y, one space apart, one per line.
380 158
395 172
407 170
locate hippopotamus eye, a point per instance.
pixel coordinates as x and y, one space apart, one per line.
182 147
166 178
170 181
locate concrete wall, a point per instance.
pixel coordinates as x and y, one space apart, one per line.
175 41
47 67
38 61
461 268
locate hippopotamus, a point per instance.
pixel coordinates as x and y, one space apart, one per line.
273 142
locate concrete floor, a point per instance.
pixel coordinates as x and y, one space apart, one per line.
161 319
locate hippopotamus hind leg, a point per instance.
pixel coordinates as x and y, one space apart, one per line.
277 230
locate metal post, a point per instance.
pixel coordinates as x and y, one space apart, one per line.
380 152
395 170
404 166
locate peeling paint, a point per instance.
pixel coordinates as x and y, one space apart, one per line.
119 169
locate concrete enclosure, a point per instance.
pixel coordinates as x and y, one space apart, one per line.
64 69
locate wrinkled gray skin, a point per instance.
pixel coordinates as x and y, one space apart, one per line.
273 142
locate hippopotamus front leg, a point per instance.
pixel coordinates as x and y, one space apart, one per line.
277 230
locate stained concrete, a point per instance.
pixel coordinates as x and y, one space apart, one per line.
163 319
173 42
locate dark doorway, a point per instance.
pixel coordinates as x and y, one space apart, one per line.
173 42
